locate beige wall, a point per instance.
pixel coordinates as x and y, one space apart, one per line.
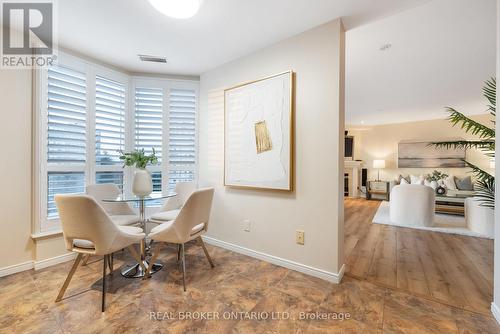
15 193
381 142
315 206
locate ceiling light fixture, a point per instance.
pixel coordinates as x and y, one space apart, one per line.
179 9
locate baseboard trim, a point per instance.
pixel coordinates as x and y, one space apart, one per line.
16 268
37 265
495 310
305 269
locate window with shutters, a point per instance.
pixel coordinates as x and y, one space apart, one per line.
66 130
149 130
88 114
110 127
181 136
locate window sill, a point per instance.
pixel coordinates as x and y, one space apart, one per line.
46 235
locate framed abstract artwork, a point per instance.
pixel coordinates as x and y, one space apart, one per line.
258 133
424 155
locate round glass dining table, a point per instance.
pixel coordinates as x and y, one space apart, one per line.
135 270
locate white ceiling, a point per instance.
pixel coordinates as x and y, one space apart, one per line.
115 31
441 54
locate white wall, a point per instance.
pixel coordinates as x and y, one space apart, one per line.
15 170
381 142
316 205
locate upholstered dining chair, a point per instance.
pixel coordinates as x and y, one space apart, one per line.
120 213
190 224
87 229
173 205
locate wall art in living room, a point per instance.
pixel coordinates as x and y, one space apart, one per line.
422 155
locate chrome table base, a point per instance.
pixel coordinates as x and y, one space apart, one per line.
136 271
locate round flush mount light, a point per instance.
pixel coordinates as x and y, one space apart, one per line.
179 9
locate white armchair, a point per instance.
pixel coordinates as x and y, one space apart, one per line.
479 219
412 205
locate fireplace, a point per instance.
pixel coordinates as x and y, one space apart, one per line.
346 184
352 170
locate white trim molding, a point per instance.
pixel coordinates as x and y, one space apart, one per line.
16 268
305 269
495 310
37 265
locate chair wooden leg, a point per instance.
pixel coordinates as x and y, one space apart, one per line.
105 260
183 267
200 240
178 252
69 277
110 263
152 261
85 259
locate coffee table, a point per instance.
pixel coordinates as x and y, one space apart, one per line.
451 204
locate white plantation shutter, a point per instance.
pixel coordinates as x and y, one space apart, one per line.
87 116
182 136
148 120
66 116
62 183
149 130
66 133
110 177
109 121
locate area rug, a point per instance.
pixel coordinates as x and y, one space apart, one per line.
443 223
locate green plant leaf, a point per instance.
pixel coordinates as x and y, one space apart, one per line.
485 192
469 125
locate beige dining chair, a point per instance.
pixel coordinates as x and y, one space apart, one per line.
173 205
190 224
87 229
121 213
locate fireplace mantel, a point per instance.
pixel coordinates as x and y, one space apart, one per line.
353 168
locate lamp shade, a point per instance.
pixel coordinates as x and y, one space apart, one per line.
378 164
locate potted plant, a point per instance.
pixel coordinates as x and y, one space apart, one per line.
485 184
142 185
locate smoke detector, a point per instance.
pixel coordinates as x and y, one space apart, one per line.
153 59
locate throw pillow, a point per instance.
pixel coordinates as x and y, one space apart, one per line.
464 184
449 183
416 179
401 177
404 181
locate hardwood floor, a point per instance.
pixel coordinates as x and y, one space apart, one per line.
451 269
241 286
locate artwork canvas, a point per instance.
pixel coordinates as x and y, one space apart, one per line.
258 133
421 155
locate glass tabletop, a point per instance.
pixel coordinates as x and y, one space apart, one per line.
133 198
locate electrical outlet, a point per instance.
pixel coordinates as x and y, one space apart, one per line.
246 225
299 237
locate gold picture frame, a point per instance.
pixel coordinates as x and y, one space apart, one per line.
262 137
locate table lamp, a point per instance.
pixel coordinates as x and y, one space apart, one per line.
378 164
